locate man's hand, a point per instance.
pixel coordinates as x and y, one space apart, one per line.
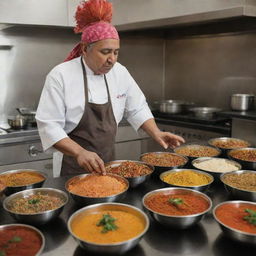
167 139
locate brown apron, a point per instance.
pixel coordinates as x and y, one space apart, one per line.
95 132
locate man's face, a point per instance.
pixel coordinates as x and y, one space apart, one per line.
102 55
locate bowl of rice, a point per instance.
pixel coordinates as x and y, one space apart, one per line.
215 166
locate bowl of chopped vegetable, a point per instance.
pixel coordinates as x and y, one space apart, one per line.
178 208
36 206
21 179
240 184
95 188
237 220
21 239
108 227
135 172
187 178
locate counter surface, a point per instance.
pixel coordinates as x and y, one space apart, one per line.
205 238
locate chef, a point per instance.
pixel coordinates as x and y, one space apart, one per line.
85 98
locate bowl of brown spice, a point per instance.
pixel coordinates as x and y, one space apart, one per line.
135 172
240 184
22 179
95 188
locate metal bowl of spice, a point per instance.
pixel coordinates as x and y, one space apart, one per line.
108 227
2 189
245 156
22 240
237 220
94 188
240 184
164 161
178 208
36 206
135 172
215 166
187 178
22 179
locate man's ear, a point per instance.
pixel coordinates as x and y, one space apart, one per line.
83 48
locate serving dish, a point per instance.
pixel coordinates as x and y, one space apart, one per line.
111 209
131 171
25 205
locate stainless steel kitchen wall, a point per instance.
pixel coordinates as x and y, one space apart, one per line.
207 69
23 68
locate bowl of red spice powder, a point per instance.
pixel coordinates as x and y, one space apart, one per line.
95 188
237 220
178 208
21 239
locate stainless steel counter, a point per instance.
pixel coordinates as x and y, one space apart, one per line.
205 239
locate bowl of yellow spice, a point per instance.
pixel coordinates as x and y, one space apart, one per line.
108 227
187 178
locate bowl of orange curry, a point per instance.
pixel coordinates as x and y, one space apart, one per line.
21 179
178 208
237 220
108 227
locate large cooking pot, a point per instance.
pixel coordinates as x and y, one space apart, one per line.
172 106
17 122
242 102
29 114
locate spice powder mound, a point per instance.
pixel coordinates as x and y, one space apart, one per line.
97 186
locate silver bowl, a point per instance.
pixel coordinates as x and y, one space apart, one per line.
4 229
85 200
233 233
114 248
238 193
196 147
201 188
174 221
36 218
13 189
226 140
133 181
2 191
160 169
215 174
251 165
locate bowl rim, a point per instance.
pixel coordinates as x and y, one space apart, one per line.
119 162
197 145
30 192
241 149
232 202
206 158
89 197
237 172
187 169
45 176
106 204
207 198
29 227
167 152
228 138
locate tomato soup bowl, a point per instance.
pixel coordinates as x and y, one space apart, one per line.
40 217
16 188
239 193
115 247
160 168
231 231
172 220
201 188
28 240
136 180
86 200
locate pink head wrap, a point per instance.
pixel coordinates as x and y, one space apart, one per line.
93 20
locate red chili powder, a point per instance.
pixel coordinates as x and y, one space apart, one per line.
192 204
232 215
19 241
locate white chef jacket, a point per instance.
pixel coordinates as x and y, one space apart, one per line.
62 101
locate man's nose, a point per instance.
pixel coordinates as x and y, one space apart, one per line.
111 58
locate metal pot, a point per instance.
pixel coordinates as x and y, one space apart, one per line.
242 102
17 122
205 112
29 114
172 106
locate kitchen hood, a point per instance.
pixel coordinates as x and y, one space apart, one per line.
143 14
